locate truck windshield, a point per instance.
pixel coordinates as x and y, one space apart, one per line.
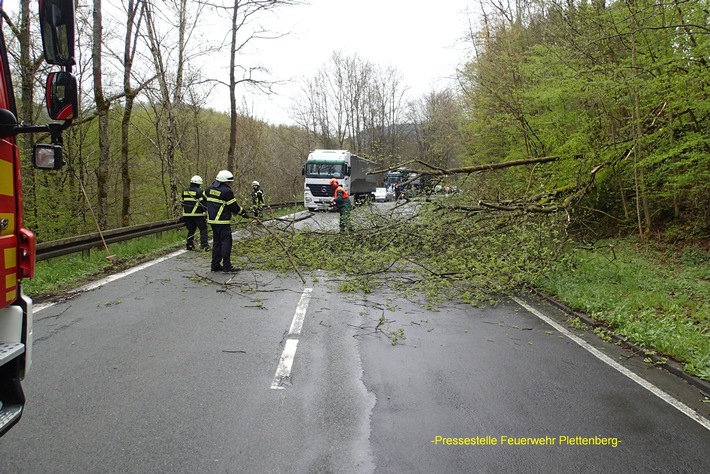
393 178
316 169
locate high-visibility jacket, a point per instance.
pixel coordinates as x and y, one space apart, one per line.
335 193
221 204
193 201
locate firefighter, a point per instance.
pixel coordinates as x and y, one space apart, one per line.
220 207
194 208
342 203
257 199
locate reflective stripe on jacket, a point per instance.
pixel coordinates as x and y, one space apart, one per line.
220 204
193 202
257 198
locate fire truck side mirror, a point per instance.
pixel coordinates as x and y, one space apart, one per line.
47 157
57 26
61 96
8 123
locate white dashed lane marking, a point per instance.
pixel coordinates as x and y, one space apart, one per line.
283 371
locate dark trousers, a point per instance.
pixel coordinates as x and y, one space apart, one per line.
221 246
193 223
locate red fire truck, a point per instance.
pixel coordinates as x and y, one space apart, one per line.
17 244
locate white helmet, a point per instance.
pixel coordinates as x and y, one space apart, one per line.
196 180
255 183
225 176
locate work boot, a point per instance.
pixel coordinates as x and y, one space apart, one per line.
232 269
216 269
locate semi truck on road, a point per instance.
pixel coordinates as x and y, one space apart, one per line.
349 169
404 183
17 244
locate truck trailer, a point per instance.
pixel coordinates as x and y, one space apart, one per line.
349 169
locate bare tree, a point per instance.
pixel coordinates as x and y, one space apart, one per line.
102 111
359 74
436 121
170 86
332 103
134 16
350 103
243 31
305 112
385 111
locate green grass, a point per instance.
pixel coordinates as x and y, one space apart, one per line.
656 296
65 273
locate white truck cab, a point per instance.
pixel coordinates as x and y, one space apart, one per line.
349 169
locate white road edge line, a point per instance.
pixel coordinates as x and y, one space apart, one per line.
677 404
283 370
92 286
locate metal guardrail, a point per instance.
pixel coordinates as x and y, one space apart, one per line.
80 243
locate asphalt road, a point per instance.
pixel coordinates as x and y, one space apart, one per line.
171 368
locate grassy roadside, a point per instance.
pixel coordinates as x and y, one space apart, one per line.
656 296
65 273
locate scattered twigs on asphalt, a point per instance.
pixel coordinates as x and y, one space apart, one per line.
288 254
382 327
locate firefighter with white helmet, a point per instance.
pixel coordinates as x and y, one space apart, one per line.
225 176
194 210
221 204
257 199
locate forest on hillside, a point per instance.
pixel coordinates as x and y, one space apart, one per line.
602 106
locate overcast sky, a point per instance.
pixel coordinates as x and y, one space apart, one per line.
423 40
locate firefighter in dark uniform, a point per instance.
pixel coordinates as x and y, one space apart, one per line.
194 209
257 199
220 207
